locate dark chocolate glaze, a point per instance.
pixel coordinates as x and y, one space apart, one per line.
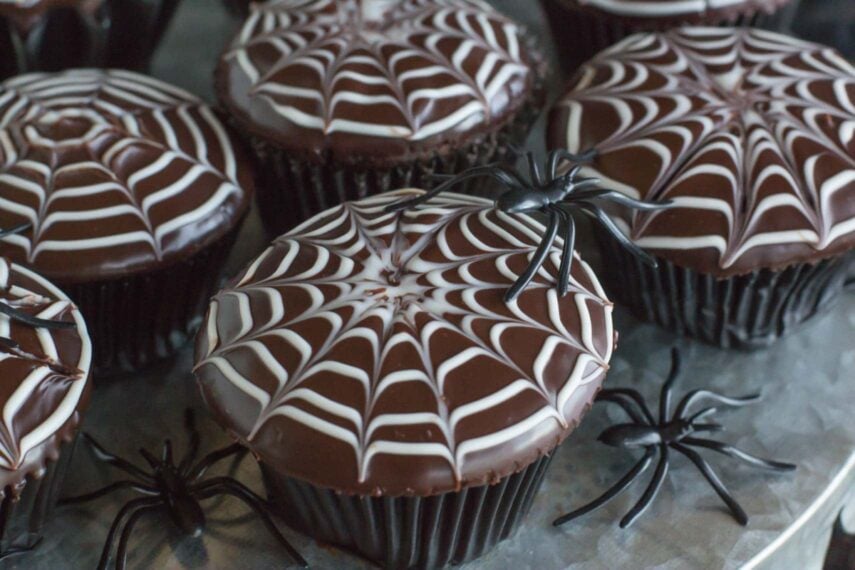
373 80
749 133
117 171
373 352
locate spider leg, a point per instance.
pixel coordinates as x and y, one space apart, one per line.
636 397
212 458
612 229
668 386
15 230
537 260
620 198
104 491
19 550
36 322
621 401
124 539
103 455
220 485
567 253
166 455
651 491
534 169
129 508
193 446
696 395
150 459
702 414
493 170
737 453
716 483
556 156
707 427
616 489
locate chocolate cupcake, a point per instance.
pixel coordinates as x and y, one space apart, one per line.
50 35
131 194
398 406
342 100
45 356
748 133
583 28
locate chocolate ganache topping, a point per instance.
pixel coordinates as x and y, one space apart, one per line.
44 375
373 353
751 134
686 11
122 172
374 79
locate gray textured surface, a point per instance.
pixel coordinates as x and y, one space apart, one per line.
806 418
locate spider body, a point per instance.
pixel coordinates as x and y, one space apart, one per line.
177 488
670 432
550 194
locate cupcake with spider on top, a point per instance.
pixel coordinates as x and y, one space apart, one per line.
51 35
583 28
404 374
45 358
749 134
342 100
128 193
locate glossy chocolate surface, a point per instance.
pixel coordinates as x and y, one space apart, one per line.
45 375
750 133
373 353
374 80
116 171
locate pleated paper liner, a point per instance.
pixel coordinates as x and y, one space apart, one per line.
120 33
410 532
291 189
747 312
581 34
140 319
23 514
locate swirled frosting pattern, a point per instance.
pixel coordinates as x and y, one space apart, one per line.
45 376
120 171
378 78
373 353
750 133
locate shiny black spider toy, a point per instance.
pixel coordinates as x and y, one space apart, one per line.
548 195
176 488
675 432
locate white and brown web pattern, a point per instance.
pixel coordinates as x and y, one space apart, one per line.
383 339
43 373
750 133
110 163
404 70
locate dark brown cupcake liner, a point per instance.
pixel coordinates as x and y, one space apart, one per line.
747 311
410 532
120 33
291 189
580 34
24 513
140 319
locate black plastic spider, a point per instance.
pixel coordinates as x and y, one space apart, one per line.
548 195
670 432
177 488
